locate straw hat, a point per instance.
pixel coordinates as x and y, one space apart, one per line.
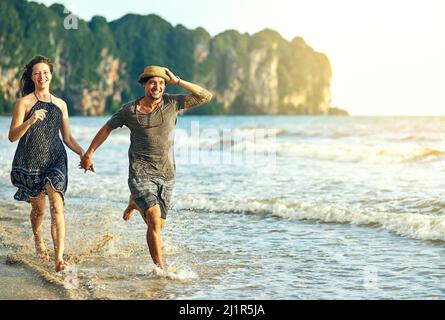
153 71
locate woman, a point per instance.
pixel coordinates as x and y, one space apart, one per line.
39 167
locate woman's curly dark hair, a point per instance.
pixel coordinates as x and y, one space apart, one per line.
26 83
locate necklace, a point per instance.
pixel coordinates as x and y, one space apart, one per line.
50 99
140 106
149 116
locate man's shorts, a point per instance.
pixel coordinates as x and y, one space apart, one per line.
148 192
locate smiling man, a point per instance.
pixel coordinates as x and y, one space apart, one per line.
151 120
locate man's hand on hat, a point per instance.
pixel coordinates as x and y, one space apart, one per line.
173 79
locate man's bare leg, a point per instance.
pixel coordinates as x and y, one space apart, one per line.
128 212
154 226
37 213
57 226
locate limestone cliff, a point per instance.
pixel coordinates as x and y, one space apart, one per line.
97 62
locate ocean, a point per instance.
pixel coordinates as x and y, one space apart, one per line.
264 207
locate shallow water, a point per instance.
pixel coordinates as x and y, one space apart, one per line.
311 208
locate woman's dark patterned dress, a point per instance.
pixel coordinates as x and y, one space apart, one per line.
40 156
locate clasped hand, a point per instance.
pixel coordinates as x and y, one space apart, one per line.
86 163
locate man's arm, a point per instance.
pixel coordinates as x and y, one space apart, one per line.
102 135
198 96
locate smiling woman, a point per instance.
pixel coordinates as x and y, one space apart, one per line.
39 167
39 69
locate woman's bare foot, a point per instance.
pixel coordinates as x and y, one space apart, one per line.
128 212
41 251
61 265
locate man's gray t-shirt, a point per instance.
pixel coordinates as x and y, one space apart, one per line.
151 151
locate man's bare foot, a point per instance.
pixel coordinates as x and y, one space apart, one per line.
128 213
41 251
61 265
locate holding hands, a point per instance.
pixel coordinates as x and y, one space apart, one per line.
86 163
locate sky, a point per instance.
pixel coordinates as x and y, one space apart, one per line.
387 56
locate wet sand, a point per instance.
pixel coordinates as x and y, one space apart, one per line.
20 283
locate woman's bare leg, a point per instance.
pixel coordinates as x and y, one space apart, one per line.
57 226
36 216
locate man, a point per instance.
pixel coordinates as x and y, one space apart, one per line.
151 120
